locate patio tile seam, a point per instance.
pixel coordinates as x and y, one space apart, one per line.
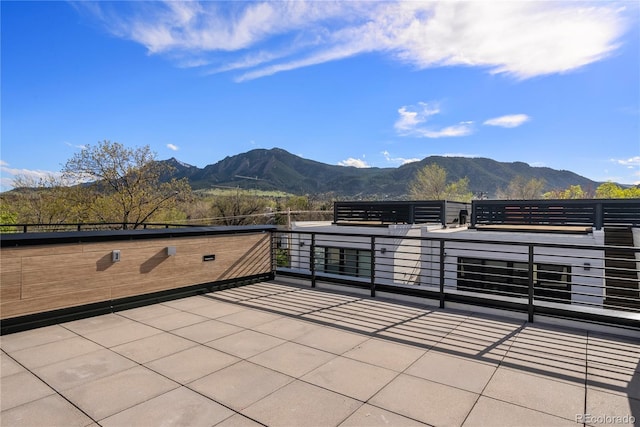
586 371
489 380
235 412
507 363
449 385
211 295
527 407
55 392
387 410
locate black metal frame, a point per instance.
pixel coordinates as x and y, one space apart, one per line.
55 237
53 317
530 304
438 291
596 213
399 212
90 226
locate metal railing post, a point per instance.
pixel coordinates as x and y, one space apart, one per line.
531 282
312 259
599 216
442 255
373 266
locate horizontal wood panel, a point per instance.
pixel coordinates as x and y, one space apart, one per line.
38 305
44 250
74 274
9 292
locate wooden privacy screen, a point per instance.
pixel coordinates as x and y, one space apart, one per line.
40 278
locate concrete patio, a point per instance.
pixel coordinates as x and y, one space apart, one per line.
280 355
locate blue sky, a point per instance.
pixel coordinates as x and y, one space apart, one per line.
364 84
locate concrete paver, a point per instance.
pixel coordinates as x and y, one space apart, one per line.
81 369
331 340
372 416
207 331
193 363
46 354
154 347
246 343
275 354
455 371
240 385
351 377
385 354
302 404
425 401
503 414
178 407
24 387
109 395
536 392
52 410
292 359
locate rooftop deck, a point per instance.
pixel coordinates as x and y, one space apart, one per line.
276 354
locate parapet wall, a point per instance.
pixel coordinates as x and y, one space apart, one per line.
41 272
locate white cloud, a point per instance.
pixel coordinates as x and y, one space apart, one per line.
461 129
356 163
631 161
30 173
412 119
399 160
509 121
409 120
518 38
9 174
81 147
172 147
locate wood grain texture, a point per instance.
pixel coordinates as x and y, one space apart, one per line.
42 278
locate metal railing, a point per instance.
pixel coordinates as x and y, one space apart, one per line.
582 281
401 212
86 226
596 213
578 281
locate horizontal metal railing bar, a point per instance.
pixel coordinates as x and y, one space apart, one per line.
455 239
413 264
79 226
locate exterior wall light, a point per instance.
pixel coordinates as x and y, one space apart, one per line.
171 251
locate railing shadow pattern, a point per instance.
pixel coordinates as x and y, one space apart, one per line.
574 356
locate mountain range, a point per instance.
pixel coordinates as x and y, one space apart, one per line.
277 169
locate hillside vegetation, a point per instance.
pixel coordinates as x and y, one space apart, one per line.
279 170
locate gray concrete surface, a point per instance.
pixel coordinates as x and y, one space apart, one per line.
278 355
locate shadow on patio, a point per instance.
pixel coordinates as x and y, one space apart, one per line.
276 354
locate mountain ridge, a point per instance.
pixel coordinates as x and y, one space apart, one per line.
277 169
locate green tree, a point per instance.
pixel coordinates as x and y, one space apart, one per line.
572 192
430 183
520 188
459 190
43 200
7 216
609 190
240 209
124 185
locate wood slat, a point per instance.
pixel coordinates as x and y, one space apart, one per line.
74 274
